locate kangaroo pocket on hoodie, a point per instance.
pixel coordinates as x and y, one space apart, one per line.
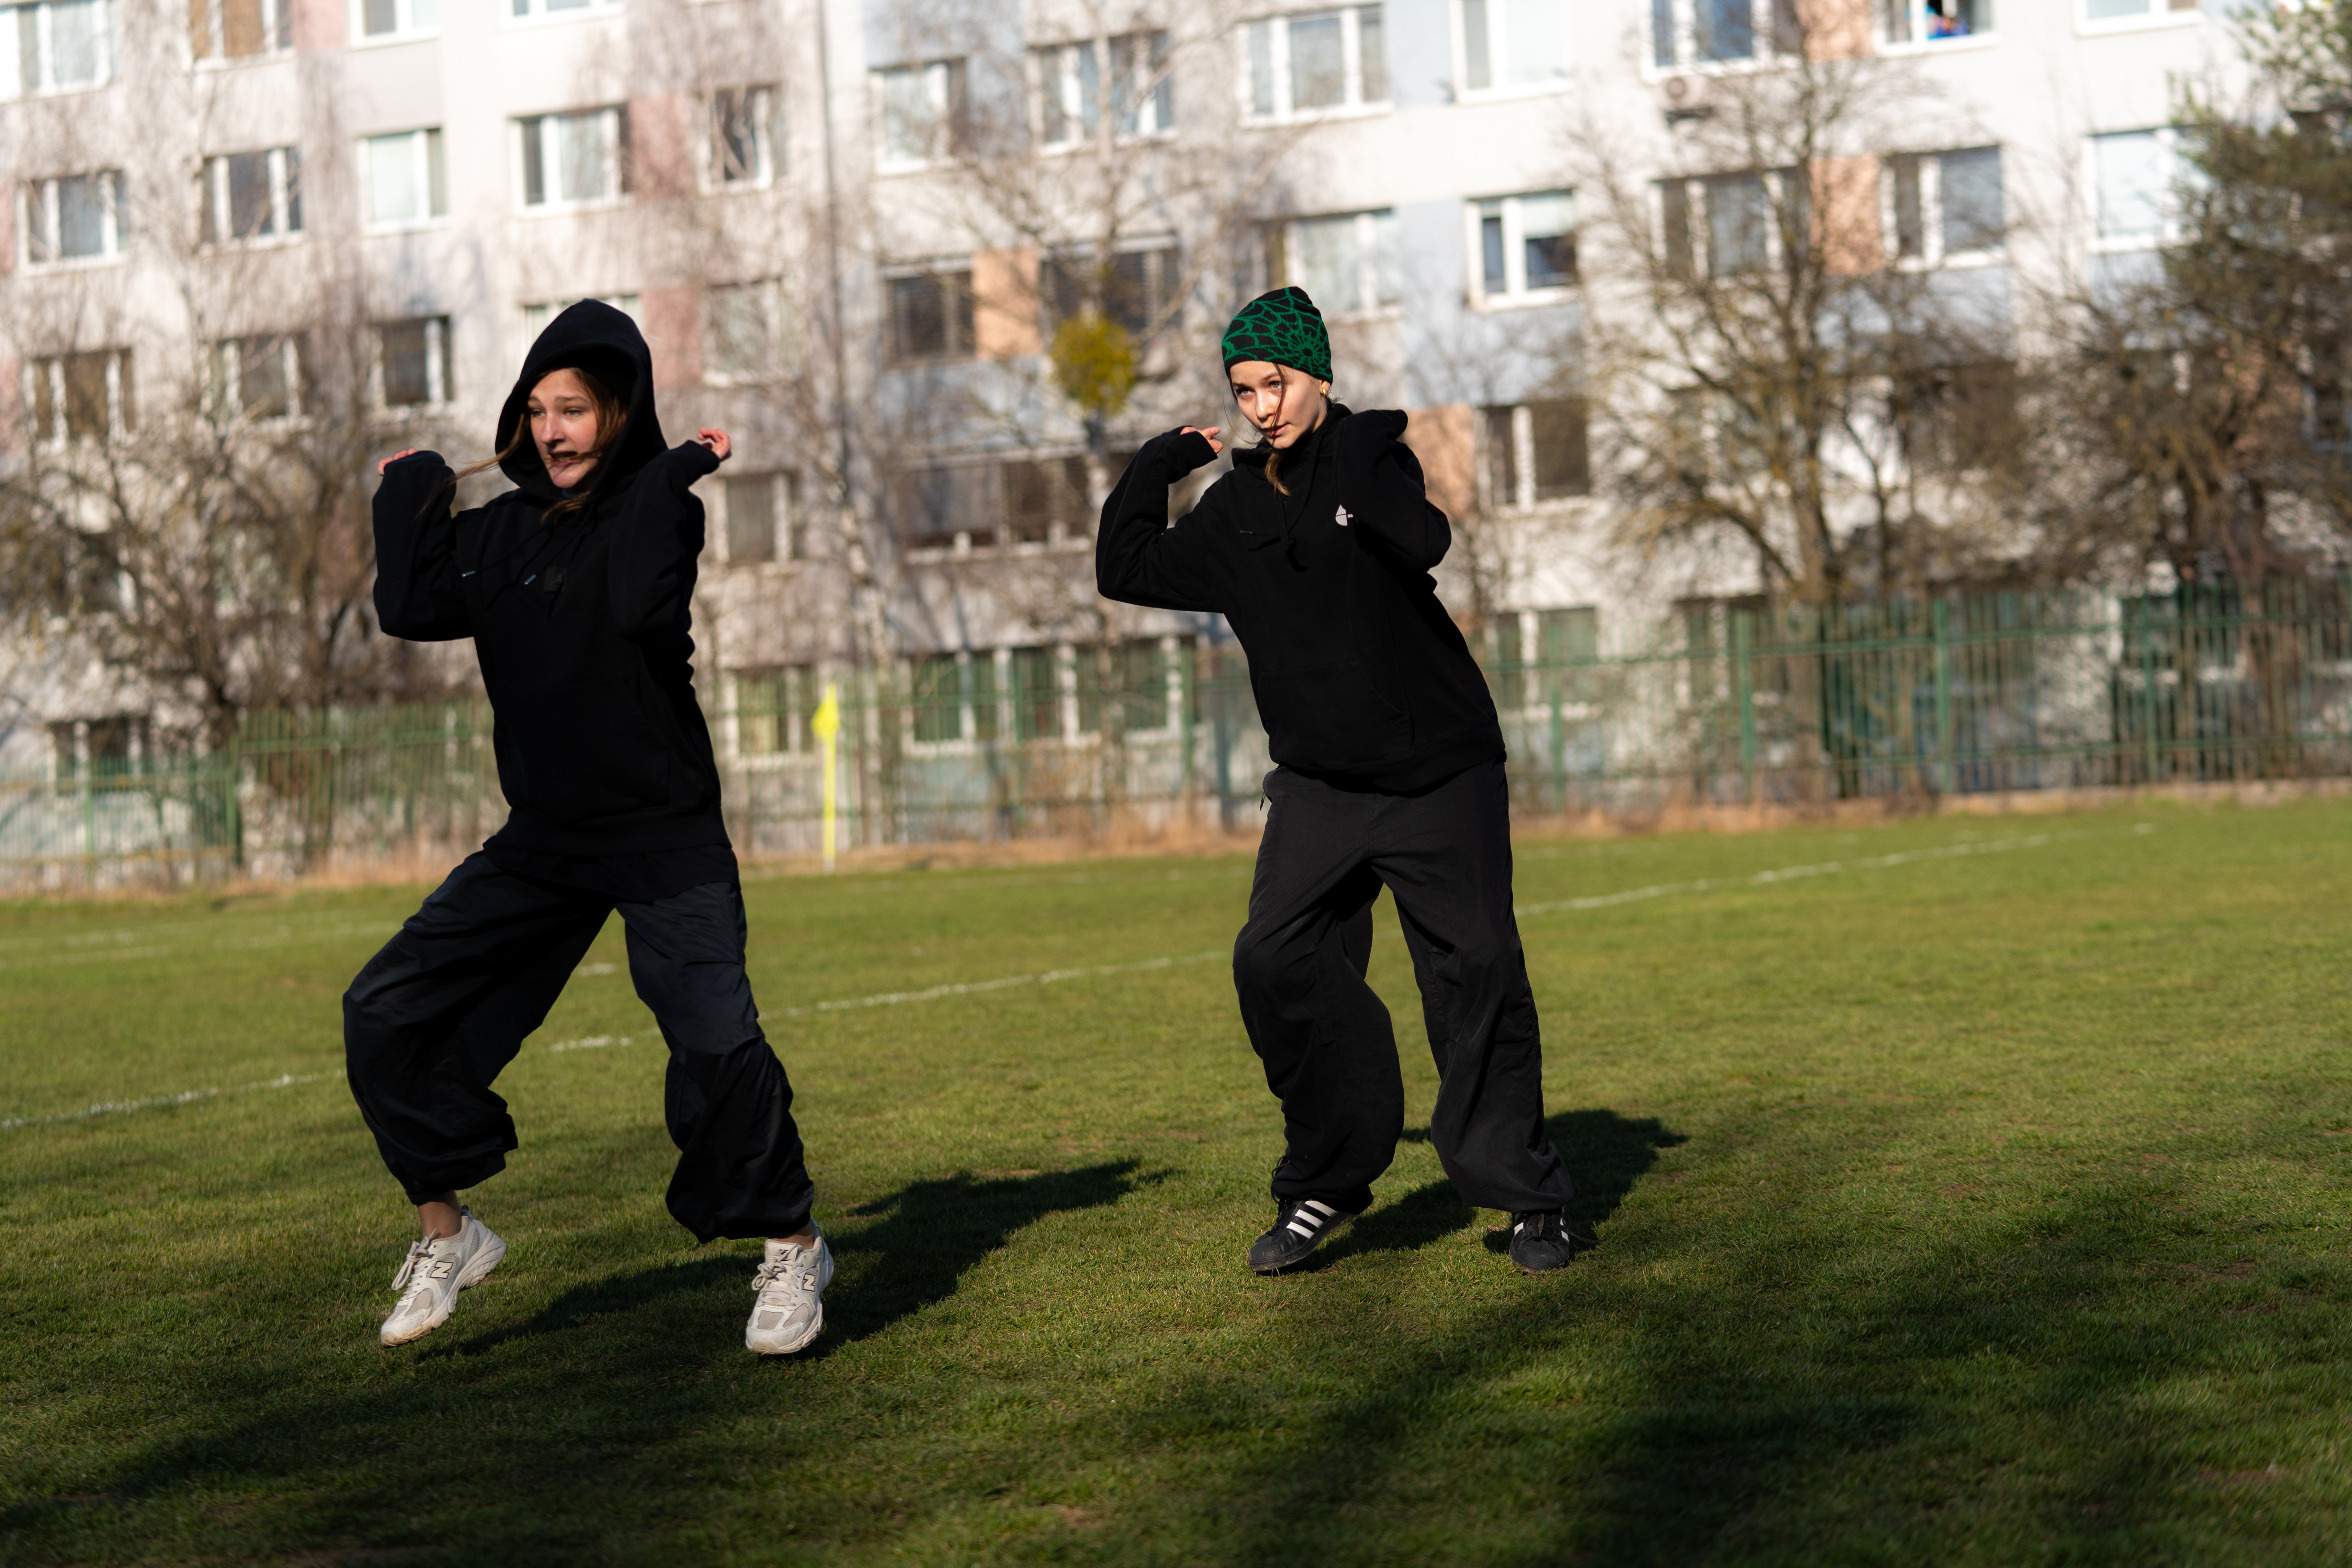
1330 715
580 773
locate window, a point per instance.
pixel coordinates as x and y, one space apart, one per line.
415 362
239 29
2132 175
757 517
930 315
257 377
922 113
1325 59
1945 204
1685 33
1511 44
559 7
1958 418
1043 500
252 195
1932 21
1034 687
91 750
953 696
405 182
81 218
2124 13
536 316
57 46
396 18
1138 290
944 507
85 396
1347 264
1525 245
773 707
573 159
1073 104
1127 683
742 331
1534 452
747 136
1723 226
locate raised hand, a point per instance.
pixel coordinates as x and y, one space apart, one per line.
717 441
1210 436
388 462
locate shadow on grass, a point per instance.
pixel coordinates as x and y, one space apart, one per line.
544 1440
1606 1153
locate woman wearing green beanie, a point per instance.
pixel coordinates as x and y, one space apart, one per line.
1316 549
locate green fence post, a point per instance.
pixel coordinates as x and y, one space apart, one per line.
1743 681
2148 682
1942 629
1185 676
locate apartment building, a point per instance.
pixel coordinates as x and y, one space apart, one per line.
857 234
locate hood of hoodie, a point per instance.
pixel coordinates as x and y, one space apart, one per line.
1298 460
590 336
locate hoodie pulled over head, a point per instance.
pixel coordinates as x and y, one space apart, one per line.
580 622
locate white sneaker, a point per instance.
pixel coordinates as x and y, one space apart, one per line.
791 1307
434 1271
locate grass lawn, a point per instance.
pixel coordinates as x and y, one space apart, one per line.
1955 1204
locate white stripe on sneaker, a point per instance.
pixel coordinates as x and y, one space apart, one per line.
1305 1230
1320 1207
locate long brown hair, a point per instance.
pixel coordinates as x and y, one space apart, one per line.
612 414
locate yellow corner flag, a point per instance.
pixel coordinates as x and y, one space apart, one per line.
826 725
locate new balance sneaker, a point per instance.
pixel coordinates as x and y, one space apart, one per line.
1540 1242
434 1271
791 1306
1298 1231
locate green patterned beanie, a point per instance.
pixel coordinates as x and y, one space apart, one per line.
1282 327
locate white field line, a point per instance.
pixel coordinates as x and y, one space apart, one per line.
157 1101
1054 977
90 947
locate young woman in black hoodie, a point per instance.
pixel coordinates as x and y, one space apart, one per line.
1317 550
576 586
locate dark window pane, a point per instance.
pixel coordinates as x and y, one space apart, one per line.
1501 456
241 28
1662 32
81 216
1910 216
378 16
938 697
293 190
1973 218
534 163
1727 29
249 195
408 366
751 518
1036 701
1490 249
1372 54
1562 460
980 689
1738 224
1318 77
86 401
262 391
1675 222
1039 494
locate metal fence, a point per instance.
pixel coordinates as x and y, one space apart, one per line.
1728 704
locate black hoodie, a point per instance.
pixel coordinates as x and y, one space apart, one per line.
1361 677
582 629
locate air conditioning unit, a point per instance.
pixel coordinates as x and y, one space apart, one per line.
1682 97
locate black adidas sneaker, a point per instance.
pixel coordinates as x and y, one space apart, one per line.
1540 1242
1299 1230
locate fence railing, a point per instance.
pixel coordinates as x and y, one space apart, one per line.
1727 705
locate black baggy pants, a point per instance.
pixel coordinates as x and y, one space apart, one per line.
434 1017
1325 1037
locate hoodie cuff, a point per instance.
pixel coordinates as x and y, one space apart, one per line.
696 458
1183 451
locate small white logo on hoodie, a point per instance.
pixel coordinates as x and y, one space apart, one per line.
1341 517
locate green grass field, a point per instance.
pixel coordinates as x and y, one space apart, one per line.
1968 1206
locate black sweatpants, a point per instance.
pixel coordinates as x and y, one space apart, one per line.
1325 1037
434 1017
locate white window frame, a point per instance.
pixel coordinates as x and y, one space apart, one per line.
425 149
39 222
12 65
53 367
2160 14
537 14
1686 60
1060 62
769 294
1920 43
550 160
231 357
2169 231
767 156
1515 291
1276 31
406 26
1933 250
1523 498
437 330
1699 193
1371 281
277 22
285 181
939 79
1498 46
629 305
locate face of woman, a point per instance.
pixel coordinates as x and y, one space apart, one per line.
564 425
1283 403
